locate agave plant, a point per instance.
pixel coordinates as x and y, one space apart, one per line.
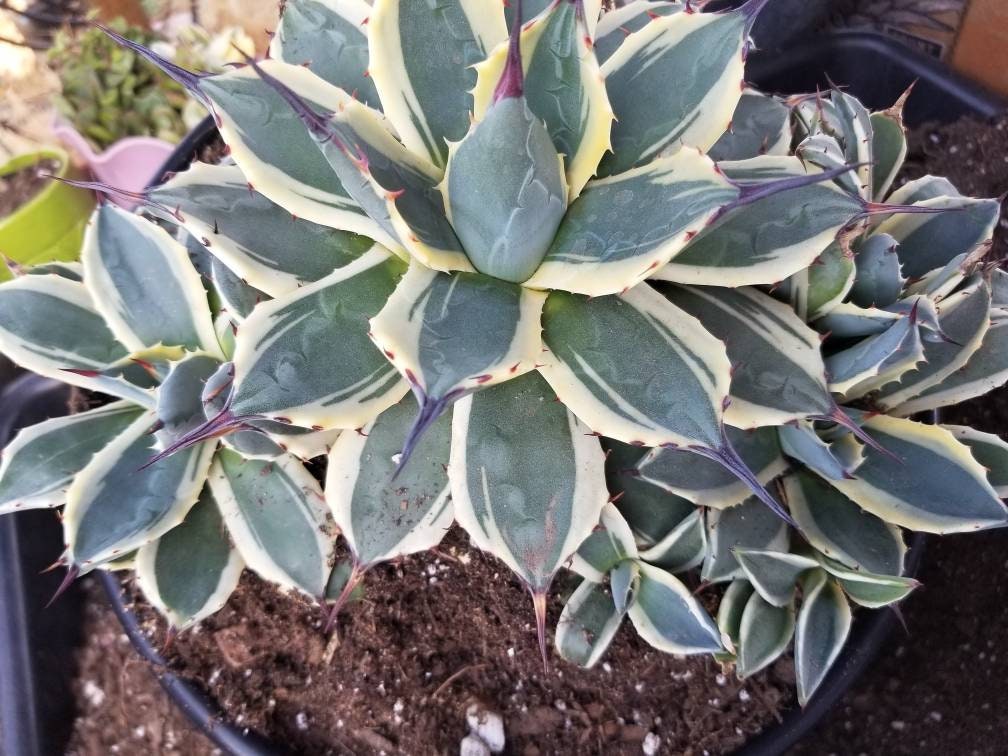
565 281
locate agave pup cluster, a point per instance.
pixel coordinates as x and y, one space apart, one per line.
564 281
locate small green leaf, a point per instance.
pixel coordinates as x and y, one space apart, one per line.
190 571
889 147
832 460
867 589
587 624
879 280
667 616
765 631
608 545
683 548
824 622
774 574
729 617
748 525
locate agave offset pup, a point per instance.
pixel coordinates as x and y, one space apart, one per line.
565 281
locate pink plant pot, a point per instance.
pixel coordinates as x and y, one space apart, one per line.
130 164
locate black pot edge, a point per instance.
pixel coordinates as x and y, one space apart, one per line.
871 628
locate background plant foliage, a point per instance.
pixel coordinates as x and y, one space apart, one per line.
652 321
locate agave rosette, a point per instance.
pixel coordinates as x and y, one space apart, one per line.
567 282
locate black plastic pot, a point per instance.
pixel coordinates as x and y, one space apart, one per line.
873 67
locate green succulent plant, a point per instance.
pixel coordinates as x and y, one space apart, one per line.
107 92
573 287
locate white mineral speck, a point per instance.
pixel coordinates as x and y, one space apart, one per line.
139 732
301 720
898 725
473 746
651 744
935 716
743 695
487 726
94 695
607 667
560 705
720 679
639 687
511 653
396 458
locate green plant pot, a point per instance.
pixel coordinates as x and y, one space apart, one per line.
50 226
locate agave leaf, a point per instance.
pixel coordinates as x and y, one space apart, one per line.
760 126
989 449
609 544
964 319
277 518
650 512
287 364
38 465
451 334
867 589
849 122
254 237
421 63
683 548
838 459
999 292
667 616
527 478
587 624
778 372
236 296
938 488
824 622
563 86
840 529
888 148
115 504
730 609
987 369
623 580
143 284
505 191
774 574
848 320
329 38
795 227
877 360
929 241
383 515
397 188
190 571
533 8
277 153
618 393
611 238
824 151
765 630
49 325
745 526
925 188
180 396
610 382
879 280
617 24
821 287
703 53
708 484
72 271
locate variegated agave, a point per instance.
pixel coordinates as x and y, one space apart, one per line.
627 293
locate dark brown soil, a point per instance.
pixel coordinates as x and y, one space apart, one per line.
121 707
20 186
436 633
